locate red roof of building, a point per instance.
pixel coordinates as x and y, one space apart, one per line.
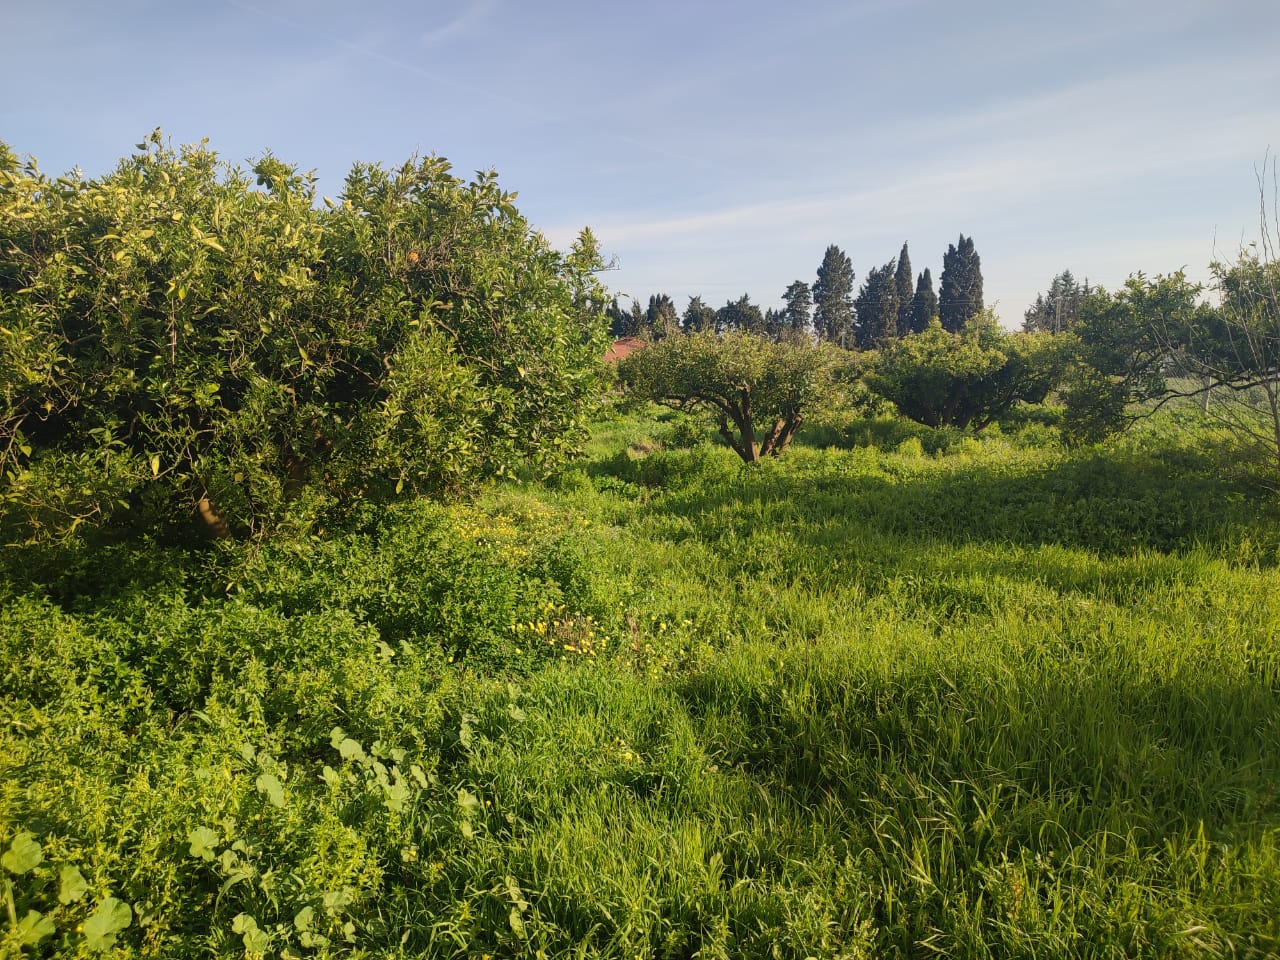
621 348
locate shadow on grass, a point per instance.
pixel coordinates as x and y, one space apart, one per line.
1035 750
1109 503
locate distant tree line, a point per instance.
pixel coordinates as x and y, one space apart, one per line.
892 302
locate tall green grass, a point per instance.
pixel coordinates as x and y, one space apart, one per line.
894 694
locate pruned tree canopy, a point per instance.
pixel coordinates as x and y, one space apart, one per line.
968 379
758 392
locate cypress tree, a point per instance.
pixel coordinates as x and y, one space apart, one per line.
638 325
924 305
906 292
619 321
960 295
661 317
774 325
877 308
833 297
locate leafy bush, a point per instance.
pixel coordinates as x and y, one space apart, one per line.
177 335
969 379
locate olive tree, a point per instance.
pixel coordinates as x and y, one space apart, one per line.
758 392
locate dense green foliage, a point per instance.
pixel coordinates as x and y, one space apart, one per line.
758 391
906 290
176 334
876 308
934 695
924 305
967 379
910 691
960 289
797 310
833 298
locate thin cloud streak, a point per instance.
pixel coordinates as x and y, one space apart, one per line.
473 15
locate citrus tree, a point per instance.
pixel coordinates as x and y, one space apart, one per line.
180 334
967 379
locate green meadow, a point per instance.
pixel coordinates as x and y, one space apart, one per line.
899 693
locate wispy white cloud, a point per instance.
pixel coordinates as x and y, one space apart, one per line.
467 17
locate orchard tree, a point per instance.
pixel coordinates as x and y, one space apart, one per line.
1128 344
182 335
924 305
833 298
968 379
758 392
960 295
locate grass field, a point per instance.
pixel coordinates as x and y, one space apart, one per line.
896 694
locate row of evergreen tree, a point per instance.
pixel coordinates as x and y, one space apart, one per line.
890 303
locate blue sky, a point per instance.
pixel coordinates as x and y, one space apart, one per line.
715 148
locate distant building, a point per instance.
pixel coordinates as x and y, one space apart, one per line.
622 348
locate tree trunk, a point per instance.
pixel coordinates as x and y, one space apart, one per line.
211 523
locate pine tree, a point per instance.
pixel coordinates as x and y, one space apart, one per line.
877 308
774 326
698 316
833 298
960 295
796 313
924 305
740 315
906 292
1059 309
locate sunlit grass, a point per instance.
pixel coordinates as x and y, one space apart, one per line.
880 697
